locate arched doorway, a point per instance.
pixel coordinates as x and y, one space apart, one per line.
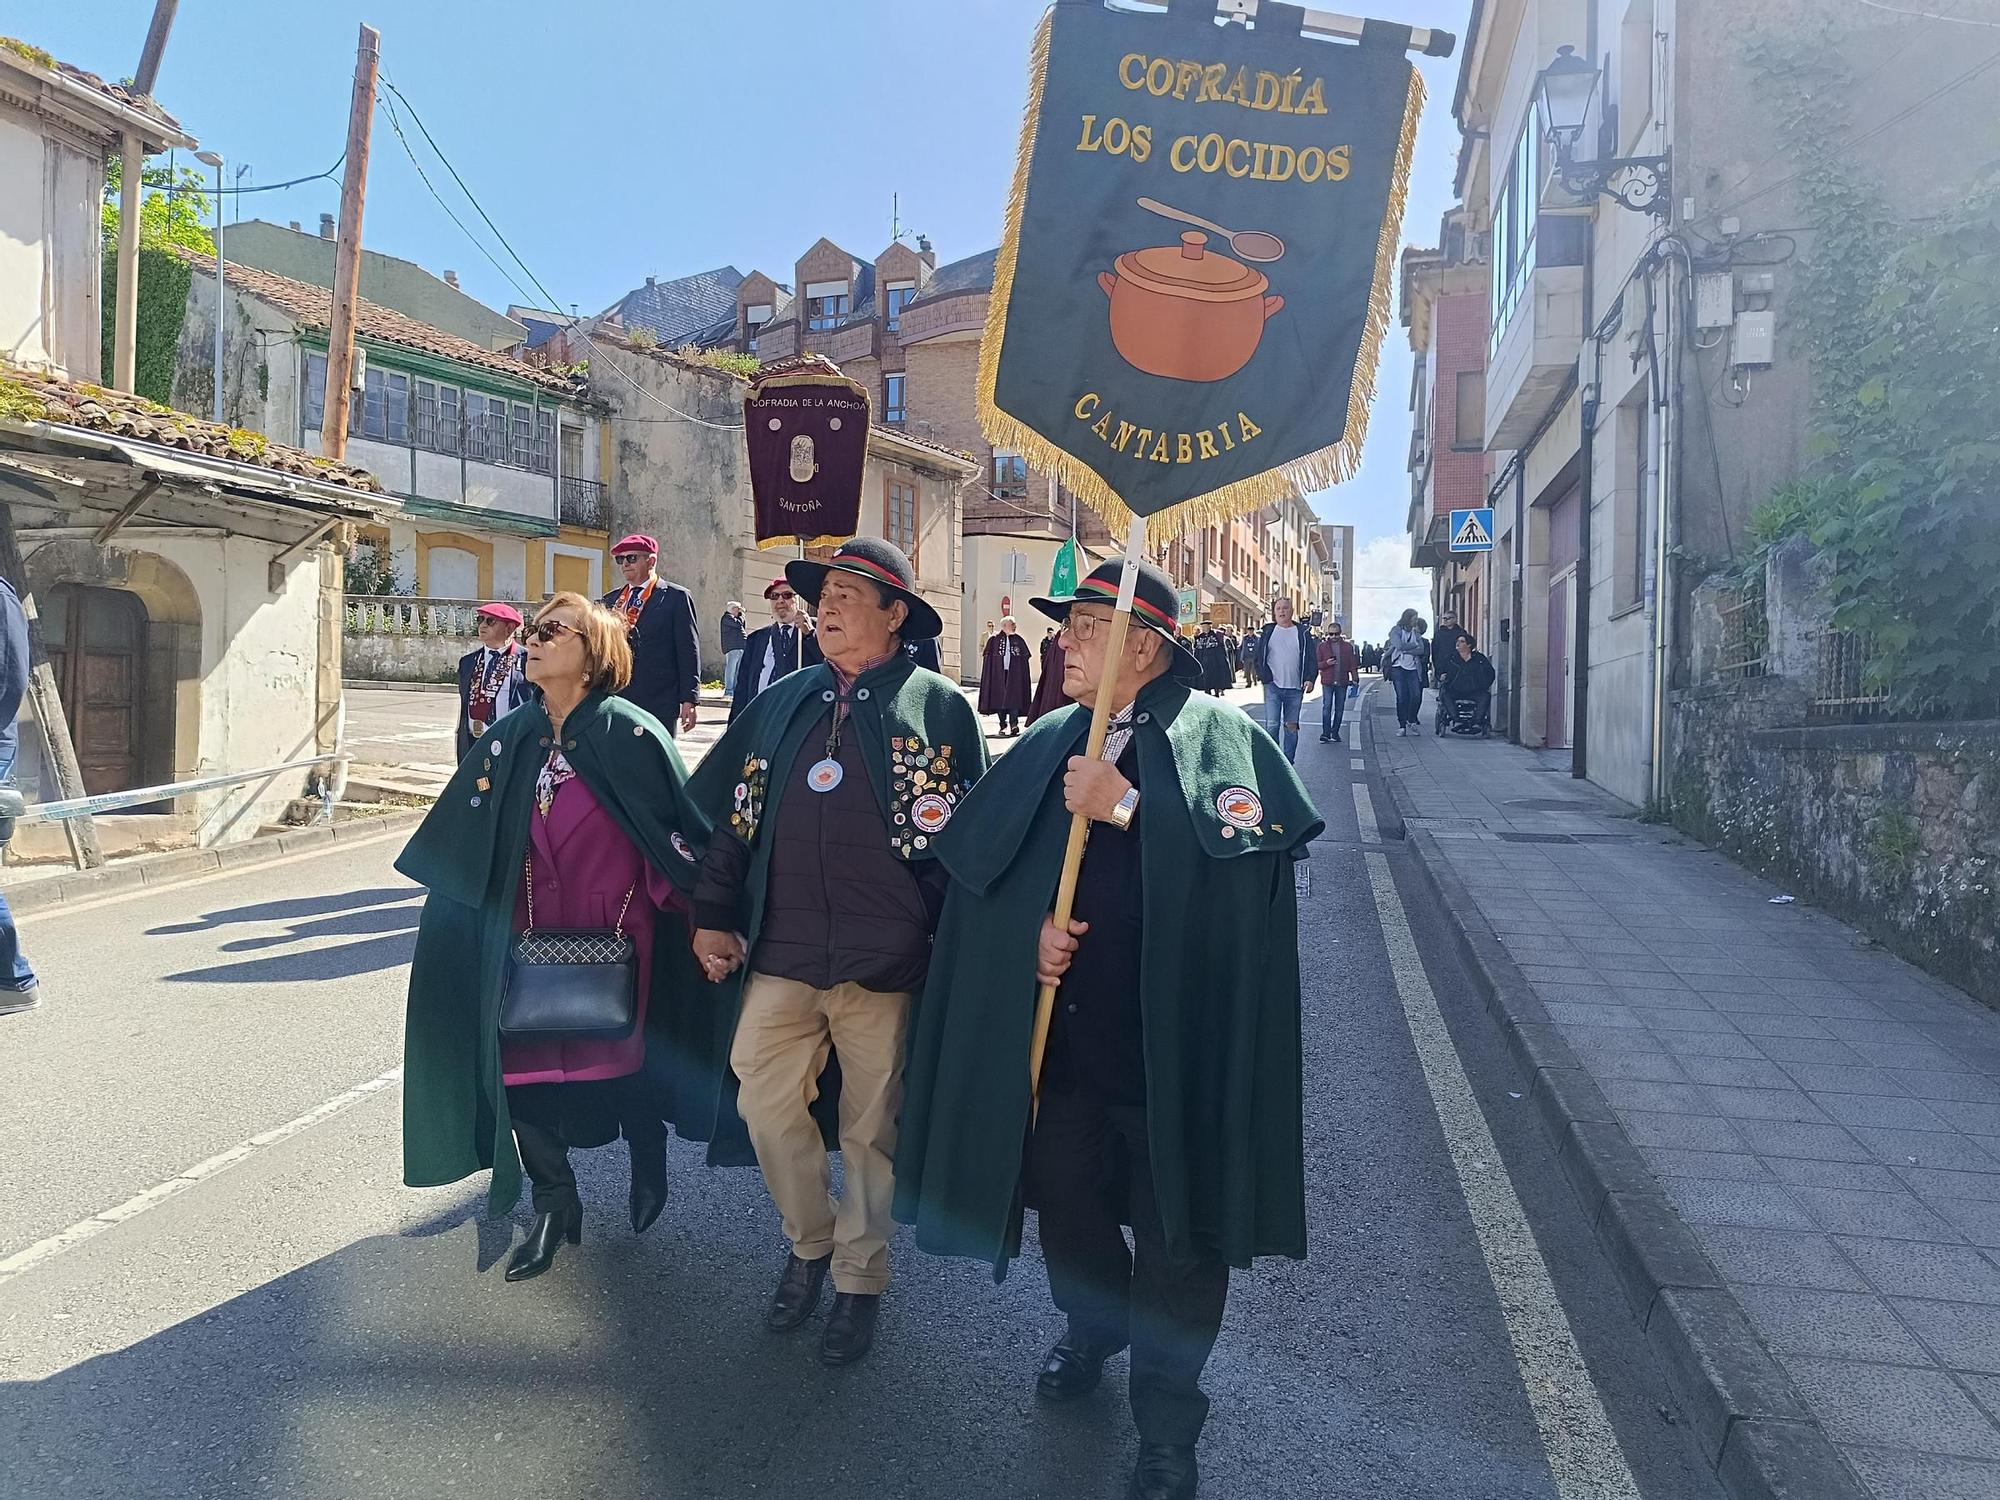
97 646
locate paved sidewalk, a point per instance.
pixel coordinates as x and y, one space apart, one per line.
1823 1116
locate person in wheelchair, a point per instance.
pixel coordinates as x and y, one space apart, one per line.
1468 691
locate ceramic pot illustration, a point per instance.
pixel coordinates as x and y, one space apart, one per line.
1183 312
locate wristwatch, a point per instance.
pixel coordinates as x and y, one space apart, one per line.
1128 806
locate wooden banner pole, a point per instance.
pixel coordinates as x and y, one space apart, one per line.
1079 825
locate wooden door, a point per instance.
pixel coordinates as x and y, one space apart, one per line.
96 641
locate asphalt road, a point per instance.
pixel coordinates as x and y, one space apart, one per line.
211 1283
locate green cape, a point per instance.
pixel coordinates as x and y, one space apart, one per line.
1222 819
468 853
909 722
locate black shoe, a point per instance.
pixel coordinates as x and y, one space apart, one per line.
850 1327
1326 739
1073 1368
538 1252
797 1297
649 1182
1165 1471
1336 739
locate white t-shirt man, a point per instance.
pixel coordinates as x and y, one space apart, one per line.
1282 667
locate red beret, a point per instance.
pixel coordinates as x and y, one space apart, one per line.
777 583
638 542
505 612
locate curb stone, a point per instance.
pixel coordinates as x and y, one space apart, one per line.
1754 1429
179 865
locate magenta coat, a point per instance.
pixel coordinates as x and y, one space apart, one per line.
583 865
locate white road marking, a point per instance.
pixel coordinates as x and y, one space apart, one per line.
1364 814
46 1250
1356 763
1577 1438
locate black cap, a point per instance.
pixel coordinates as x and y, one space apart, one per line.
879 562
1155 605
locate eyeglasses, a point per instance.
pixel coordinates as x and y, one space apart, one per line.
622 558
787 595
544 631
1083 628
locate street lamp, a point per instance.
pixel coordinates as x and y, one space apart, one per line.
1563 95
214 159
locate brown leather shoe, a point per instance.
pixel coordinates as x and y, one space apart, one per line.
850 1327
797 1297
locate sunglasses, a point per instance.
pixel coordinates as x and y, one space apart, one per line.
788 594
622 558
545 631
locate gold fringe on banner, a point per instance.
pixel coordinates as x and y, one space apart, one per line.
1335 464
789 540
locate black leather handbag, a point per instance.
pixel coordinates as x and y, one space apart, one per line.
570 985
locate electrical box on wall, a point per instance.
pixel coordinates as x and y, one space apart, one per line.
1714 300
1755 340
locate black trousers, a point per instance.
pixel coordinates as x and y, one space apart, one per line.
1169 1307
545 1128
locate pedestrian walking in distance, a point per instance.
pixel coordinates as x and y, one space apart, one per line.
19 989
1050 694
1339 670
1170 1099
1004 689
1288 666
490 684
780 648
733 630
814 913
568 815
659 626
1406 653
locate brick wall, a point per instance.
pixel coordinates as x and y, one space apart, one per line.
1459 334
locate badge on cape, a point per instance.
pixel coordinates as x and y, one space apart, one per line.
930 813
1239 807
824 776
681 847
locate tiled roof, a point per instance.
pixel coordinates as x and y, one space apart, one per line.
679 309
28 52
974 273
312 306
32 396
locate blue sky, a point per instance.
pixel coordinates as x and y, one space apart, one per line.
610 139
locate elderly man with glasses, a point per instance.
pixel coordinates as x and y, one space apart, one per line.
778 649
1169 1098
659 624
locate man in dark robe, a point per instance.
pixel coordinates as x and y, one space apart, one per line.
1049 692
490 684
1004 688
821 888
659 621
780 648
1170 1099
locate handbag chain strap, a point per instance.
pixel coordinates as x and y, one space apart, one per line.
528 873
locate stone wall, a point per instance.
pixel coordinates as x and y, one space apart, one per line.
1894 827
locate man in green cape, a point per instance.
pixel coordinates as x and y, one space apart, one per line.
1171 1094
468 851
821 885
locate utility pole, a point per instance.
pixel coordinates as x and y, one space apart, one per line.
347 248
81 832
125 328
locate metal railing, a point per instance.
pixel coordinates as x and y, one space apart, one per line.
377 615
581 503
1841 686
1745 636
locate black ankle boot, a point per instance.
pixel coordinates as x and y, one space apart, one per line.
538 1252
649 1182
1165 1471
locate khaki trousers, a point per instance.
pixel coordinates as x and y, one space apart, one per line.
781 1045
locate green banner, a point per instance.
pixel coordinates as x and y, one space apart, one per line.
1062 577
1194 283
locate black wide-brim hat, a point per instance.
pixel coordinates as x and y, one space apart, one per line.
1155 605
879 562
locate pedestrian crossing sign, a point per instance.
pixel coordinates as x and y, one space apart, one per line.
1472 530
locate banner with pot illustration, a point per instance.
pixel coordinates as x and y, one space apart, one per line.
1195 279
806 426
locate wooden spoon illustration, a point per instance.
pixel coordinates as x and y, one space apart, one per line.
1251 244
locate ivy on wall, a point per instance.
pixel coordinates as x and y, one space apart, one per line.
164 280
1901 320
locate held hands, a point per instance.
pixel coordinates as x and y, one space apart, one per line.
1057 948
687 717
1093 788
720 954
